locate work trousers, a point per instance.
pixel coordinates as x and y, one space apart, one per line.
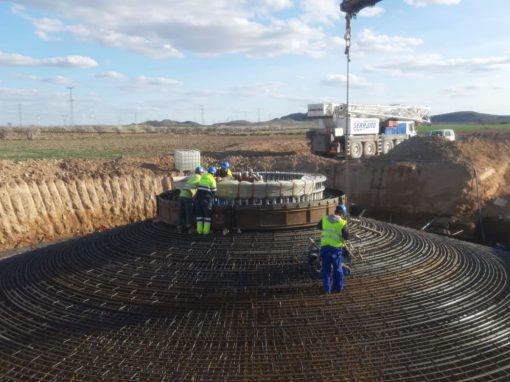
332 260
203 210
186 213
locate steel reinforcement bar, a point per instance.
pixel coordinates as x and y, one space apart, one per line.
146 303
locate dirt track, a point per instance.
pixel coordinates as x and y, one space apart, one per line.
50 199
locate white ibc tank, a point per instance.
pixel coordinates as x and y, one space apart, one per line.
187 160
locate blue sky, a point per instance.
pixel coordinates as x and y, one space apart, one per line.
130 61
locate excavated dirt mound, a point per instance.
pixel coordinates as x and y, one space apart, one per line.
424 178
425 148
47 200
43 170
489 158
50 199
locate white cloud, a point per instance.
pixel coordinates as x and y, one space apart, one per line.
57 80
371 11
264 89
17 9
435 63
111 74
160 30
14 59
474 88
320 11
340 80
272 5
10 94
157 81
424 3
368 42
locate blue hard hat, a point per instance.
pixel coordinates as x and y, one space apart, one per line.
225 165
199 170
212 170
342 208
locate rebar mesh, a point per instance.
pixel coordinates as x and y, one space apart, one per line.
146 303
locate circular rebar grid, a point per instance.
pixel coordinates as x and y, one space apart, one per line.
145 303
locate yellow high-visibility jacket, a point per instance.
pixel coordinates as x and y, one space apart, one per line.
190 187
331 233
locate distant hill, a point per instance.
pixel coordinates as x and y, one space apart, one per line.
170 122
239 122
470 117
293 117
459 117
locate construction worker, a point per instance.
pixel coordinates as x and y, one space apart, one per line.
204 201
334 232
224 170
186 201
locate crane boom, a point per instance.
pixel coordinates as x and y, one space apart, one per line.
406 112
419 114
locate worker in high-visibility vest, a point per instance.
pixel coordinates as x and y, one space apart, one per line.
204 201
334 232
186 201
224 170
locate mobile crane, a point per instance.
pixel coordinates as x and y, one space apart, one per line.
361 130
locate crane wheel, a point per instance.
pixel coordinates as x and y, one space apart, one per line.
369 148
356 150
387 146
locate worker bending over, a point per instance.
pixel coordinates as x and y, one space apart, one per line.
186 201
224 170
334 231
204 201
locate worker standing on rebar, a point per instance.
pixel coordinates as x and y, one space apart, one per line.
204 201
334 232
186 201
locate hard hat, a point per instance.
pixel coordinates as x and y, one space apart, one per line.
212 170
342 208
199 170
225 165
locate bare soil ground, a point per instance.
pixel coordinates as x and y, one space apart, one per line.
151 155
153 152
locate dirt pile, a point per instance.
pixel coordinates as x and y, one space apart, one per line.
32 212
429 177
489 160
42 170
52 199
303 162
425 148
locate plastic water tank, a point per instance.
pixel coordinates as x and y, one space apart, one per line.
187 160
